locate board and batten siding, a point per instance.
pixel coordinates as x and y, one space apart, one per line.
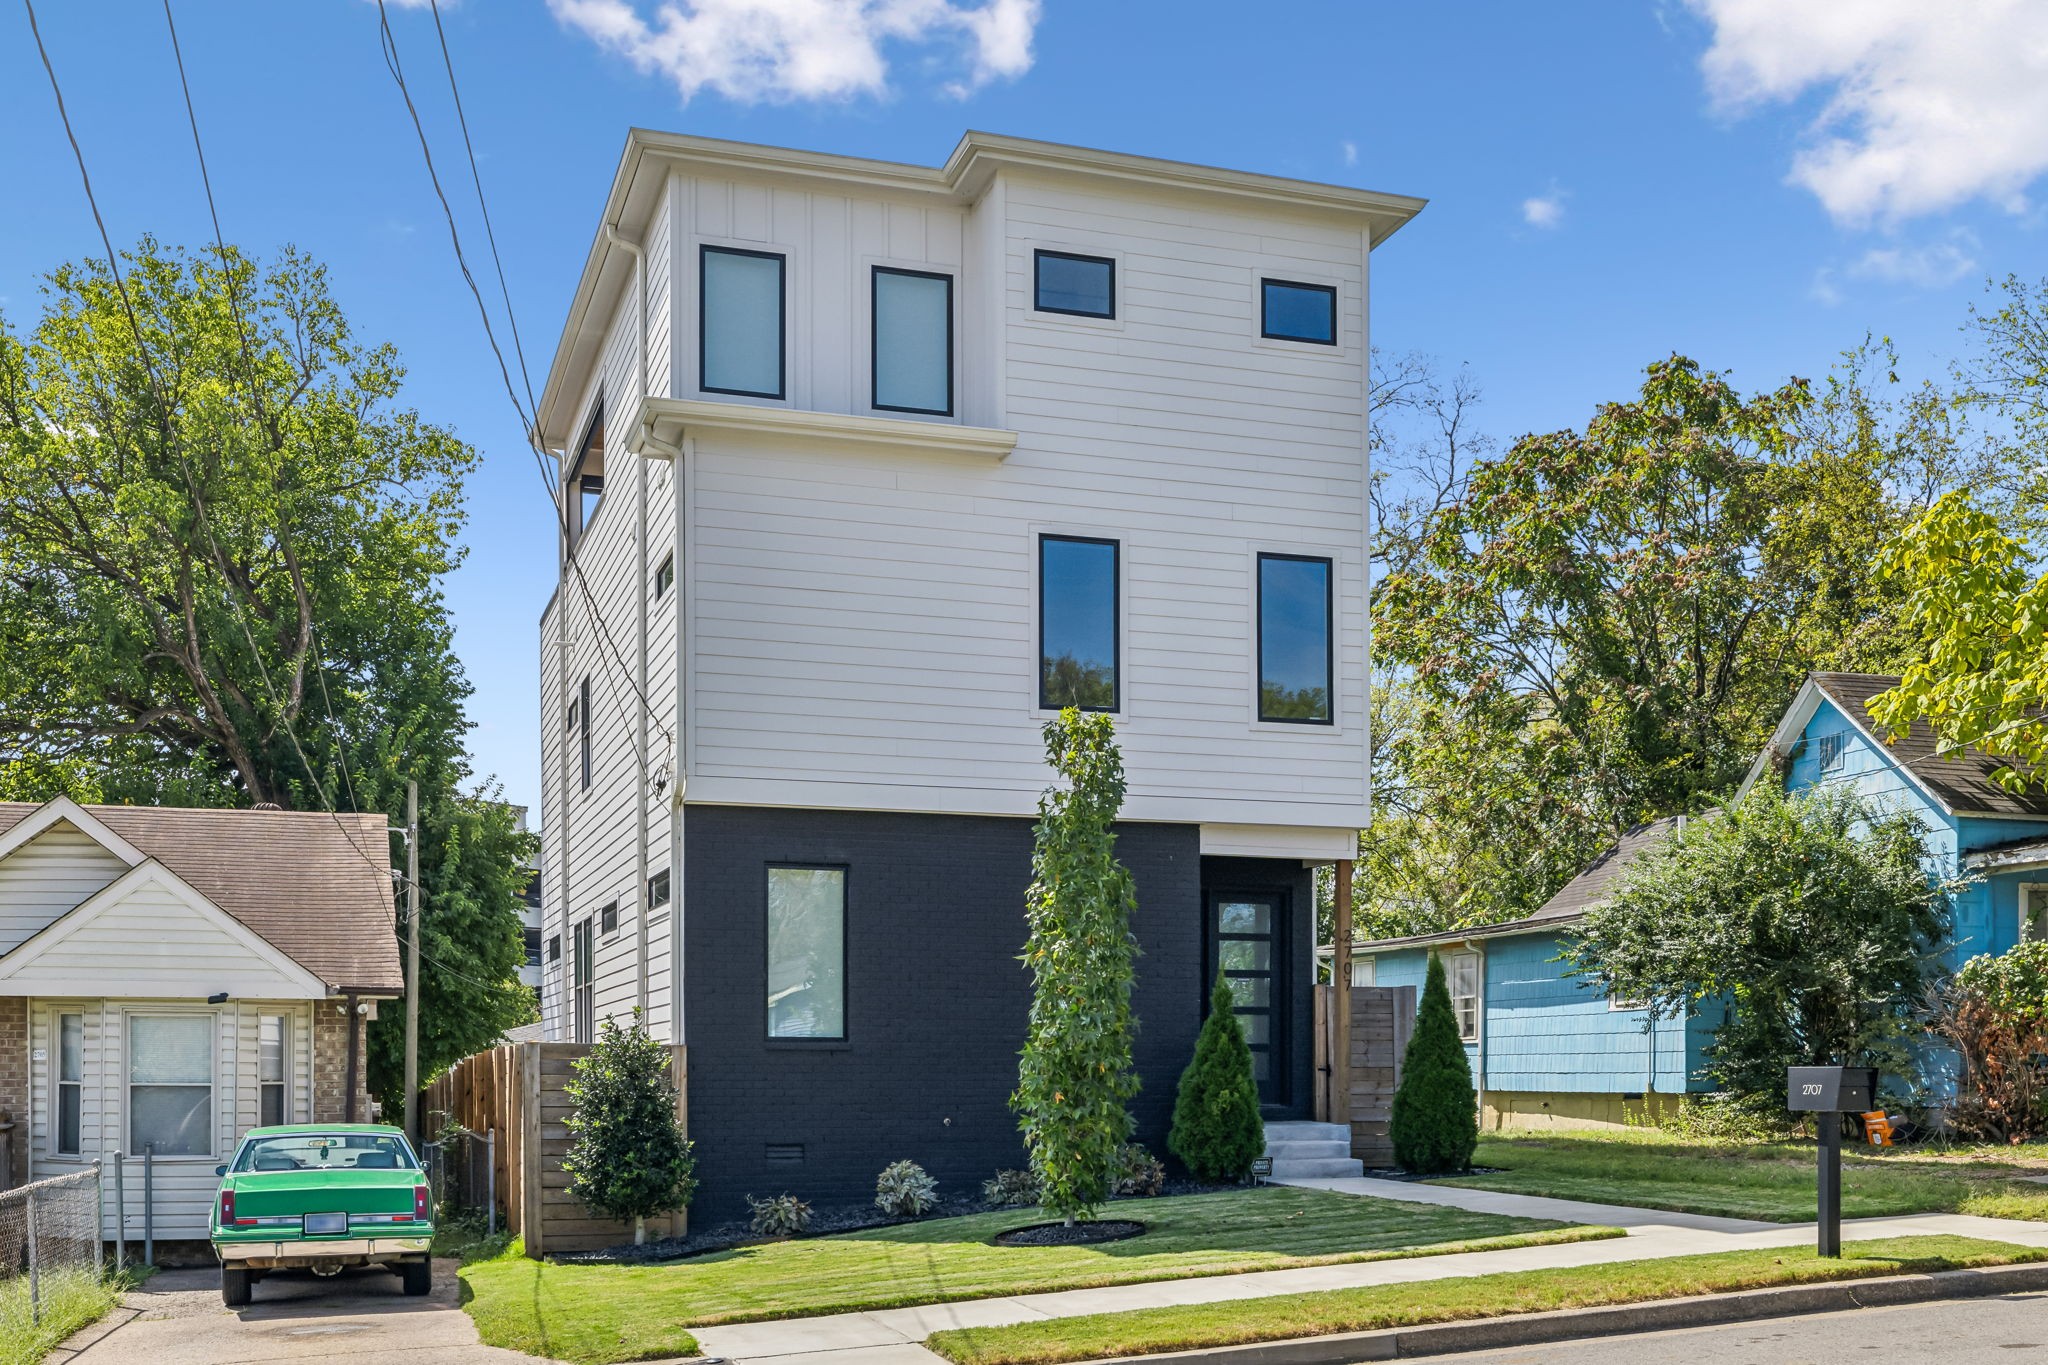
863 623
184 1186
56 870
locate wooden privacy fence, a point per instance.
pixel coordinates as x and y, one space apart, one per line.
517 1092
1361 1090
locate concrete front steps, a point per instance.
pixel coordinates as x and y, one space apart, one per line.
1302 1151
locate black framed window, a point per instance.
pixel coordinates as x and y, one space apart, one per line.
579 727
1295 652
583 490
582 985
1298 312
1078 623
741 301
665 576
554 947
1083 286
533 947
608 918
806 952
911 341
658 889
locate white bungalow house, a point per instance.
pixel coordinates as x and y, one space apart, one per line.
170 978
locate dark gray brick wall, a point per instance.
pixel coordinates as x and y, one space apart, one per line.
936 998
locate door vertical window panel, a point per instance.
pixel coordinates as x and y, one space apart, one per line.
913 341
1295 654
1077 624
273 1054
584 986
70 1082
806 952
740 322
170 1083
1246 930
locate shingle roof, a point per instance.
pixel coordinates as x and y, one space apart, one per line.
1959 779
315 886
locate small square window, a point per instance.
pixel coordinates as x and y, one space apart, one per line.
608 918
1298 312
657 889
1083 286
1832 748
664 577
554 947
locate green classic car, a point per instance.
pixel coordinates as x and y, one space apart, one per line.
321 1197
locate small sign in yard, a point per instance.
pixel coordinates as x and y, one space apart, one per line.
1262 1166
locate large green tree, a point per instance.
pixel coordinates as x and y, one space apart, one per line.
221 543
1809 916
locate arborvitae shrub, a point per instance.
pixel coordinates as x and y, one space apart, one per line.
1217 1132
1435 1121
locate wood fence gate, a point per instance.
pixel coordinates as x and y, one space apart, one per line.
1360 1091
516 1091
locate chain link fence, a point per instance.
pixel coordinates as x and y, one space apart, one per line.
49 1248
462 1172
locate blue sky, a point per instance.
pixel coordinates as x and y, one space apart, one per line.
1752 182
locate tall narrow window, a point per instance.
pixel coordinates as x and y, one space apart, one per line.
273 1068
70 1079
170 1084
1084 286
665 576
579 721
582 997
806 952
739 322
658 890
1077 623
912 339
1298 312
1295 661
1364 971
585 487
1462 974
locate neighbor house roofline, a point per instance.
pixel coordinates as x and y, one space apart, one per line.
642 175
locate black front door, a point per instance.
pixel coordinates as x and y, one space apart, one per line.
1248 947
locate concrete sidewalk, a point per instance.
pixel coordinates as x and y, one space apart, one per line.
892 1336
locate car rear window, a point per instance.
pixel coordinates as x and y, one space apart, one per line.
325 1151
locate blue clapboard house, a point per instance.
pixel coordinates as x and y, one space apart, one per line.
1549 1051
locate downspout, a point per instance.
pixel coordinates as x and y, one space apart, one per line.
355 1050
640 856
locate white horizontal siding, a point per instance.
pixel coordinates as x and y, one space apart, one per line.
151 942
50 874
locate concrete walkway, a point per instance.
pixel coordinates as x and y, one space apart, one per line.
892 1336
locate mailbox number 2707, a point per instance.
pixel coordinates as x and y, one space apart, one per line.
1809 1089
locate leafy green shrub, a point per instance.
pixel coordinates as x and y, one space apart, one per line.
1217 1132
1074 1077
1010 1189
628 1157
1995 1013
1715 1118
1139 1174
1435 1120
784 1215
905 1190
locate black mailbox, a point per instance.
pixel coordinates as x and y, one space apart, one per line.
1830 1089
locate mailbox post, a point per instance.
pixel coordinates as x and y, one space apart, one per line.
1828 1092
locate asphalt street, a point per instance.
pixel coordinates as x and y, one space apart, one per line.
1986 1331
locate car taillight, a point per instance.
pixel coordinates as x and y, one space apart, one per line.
419 1203
227 1207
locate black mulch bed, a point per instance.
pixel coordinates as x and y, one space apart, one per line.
1078 1235
836 1218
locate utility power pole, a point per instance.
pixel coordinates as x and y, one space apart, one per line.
412 961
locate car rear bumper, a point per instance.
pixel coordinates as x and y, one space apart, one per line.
293 1252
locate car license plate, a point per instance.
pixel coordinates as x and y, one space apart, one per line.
326 1224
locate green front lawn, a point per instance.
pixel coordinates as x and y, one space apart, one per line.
1197 1326
1769 1181
615 1312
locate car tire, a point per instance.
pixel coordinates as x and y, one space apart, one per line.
234 1287
417 1277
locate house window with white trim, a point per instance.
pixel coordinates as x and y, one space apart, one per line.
2033 911
1461 971
273 1049
170 1084
70 1082
1364 971
1831 749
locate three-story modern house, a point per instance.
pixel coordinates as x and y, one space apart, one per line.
866 471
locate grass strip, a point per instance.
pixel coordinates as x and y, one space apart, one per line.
1196 1326
71 1300
1773 1182
602 1313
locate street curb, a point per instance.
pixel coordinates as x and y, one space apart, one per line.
1534 1329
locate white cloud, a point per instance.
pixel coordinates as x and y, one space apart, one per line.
1928 104
1544 210
1350 150
1928 266
751 50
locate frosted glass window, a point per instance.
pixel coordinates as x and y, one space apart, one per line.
1077 623
1294 639
740 343
170 1084
806 952
1298 312
913 341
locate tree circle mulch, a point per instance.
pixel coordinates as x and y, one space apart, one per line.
1061 1235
